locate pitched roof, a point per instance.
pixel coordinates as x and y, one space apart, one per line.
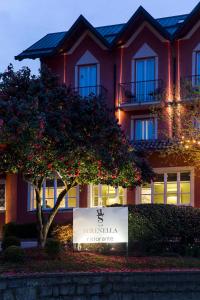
49 43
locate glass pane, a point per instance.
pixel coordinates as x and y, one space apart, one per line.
150 129
50 183
159 199
185 187
172 177
138 130
159 178
87 80
150 69
60 183
72 192
185 199
185 176
198 66
158 187
172 198
2 195
71 202
49 203
62 204
146 199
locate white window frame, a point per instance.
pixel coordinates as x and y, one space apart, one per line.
194 62
144 52
3 181
86 59
140 117
31 197
90 195
165 171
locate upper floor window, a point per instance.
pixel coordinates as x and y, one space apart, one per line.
198 64
105 195
145 84
87 79
144 129
168 188
50 190
2 194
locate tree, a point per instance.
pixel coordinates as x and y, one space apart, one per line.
50 131
183 119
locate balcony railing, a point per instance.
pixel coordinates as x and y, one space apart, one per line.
91 91
140 92
190 87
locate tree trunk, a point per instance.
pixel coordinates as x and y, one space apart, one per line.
44 225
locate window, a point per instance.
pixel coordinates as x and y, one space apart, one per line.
168 188
87 80
105 195
197 81
50 191
145 79
144 129
2 194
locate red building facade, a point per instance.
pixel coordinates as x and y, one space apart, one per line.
135 66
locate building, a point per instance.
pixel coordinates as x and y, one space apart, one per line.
134 65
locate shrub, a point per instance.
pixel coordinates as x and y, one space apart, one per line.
53 247
22 231
165 228
14 254
10 241
64 234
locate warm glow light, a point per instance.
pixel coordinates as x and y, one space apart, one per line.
178 72
120 75
170 98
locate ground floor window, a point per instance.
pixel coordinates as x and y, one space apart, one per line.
168 188
105 195
50 190
2 194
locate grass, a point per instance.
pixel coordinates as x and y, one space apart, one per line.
37 261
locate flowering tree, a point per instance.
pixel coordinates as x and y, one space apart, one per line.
50 131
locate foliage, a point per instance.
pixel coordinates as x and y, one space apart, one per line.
50 131
164 228
14 254
22 231
52 247
64 234
10 241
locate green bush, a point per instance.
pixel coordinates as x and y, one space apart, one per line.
162 228
10 241
23 231
53 247
14 254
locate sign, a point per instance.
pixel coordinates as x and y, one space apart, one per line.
100 225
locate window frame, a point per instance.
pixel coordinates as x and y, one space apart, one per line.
166 171
143 117
91 195
31 197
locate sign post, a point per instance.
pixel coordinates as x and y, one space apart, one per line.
100 225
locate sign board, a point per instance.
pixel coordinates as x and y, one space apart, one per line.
100 225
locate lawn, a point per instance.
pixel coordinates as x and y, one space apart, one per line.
37 261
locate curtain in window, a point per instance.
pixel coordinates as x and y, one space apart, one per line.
144 129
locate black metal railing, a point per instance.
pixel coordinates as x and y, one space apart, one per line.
140 91
190 87
91 91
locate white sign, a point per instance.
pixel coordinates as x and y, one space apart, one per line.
100 225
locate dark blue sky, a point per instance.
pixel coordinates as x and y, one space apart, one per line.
23 22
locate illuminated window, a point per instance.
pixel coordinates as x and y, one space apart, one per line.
2 194
50 190
105 195
144 129
168 188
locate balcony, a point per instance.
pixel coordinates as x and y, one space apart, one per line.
91 91
140 93
190 88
